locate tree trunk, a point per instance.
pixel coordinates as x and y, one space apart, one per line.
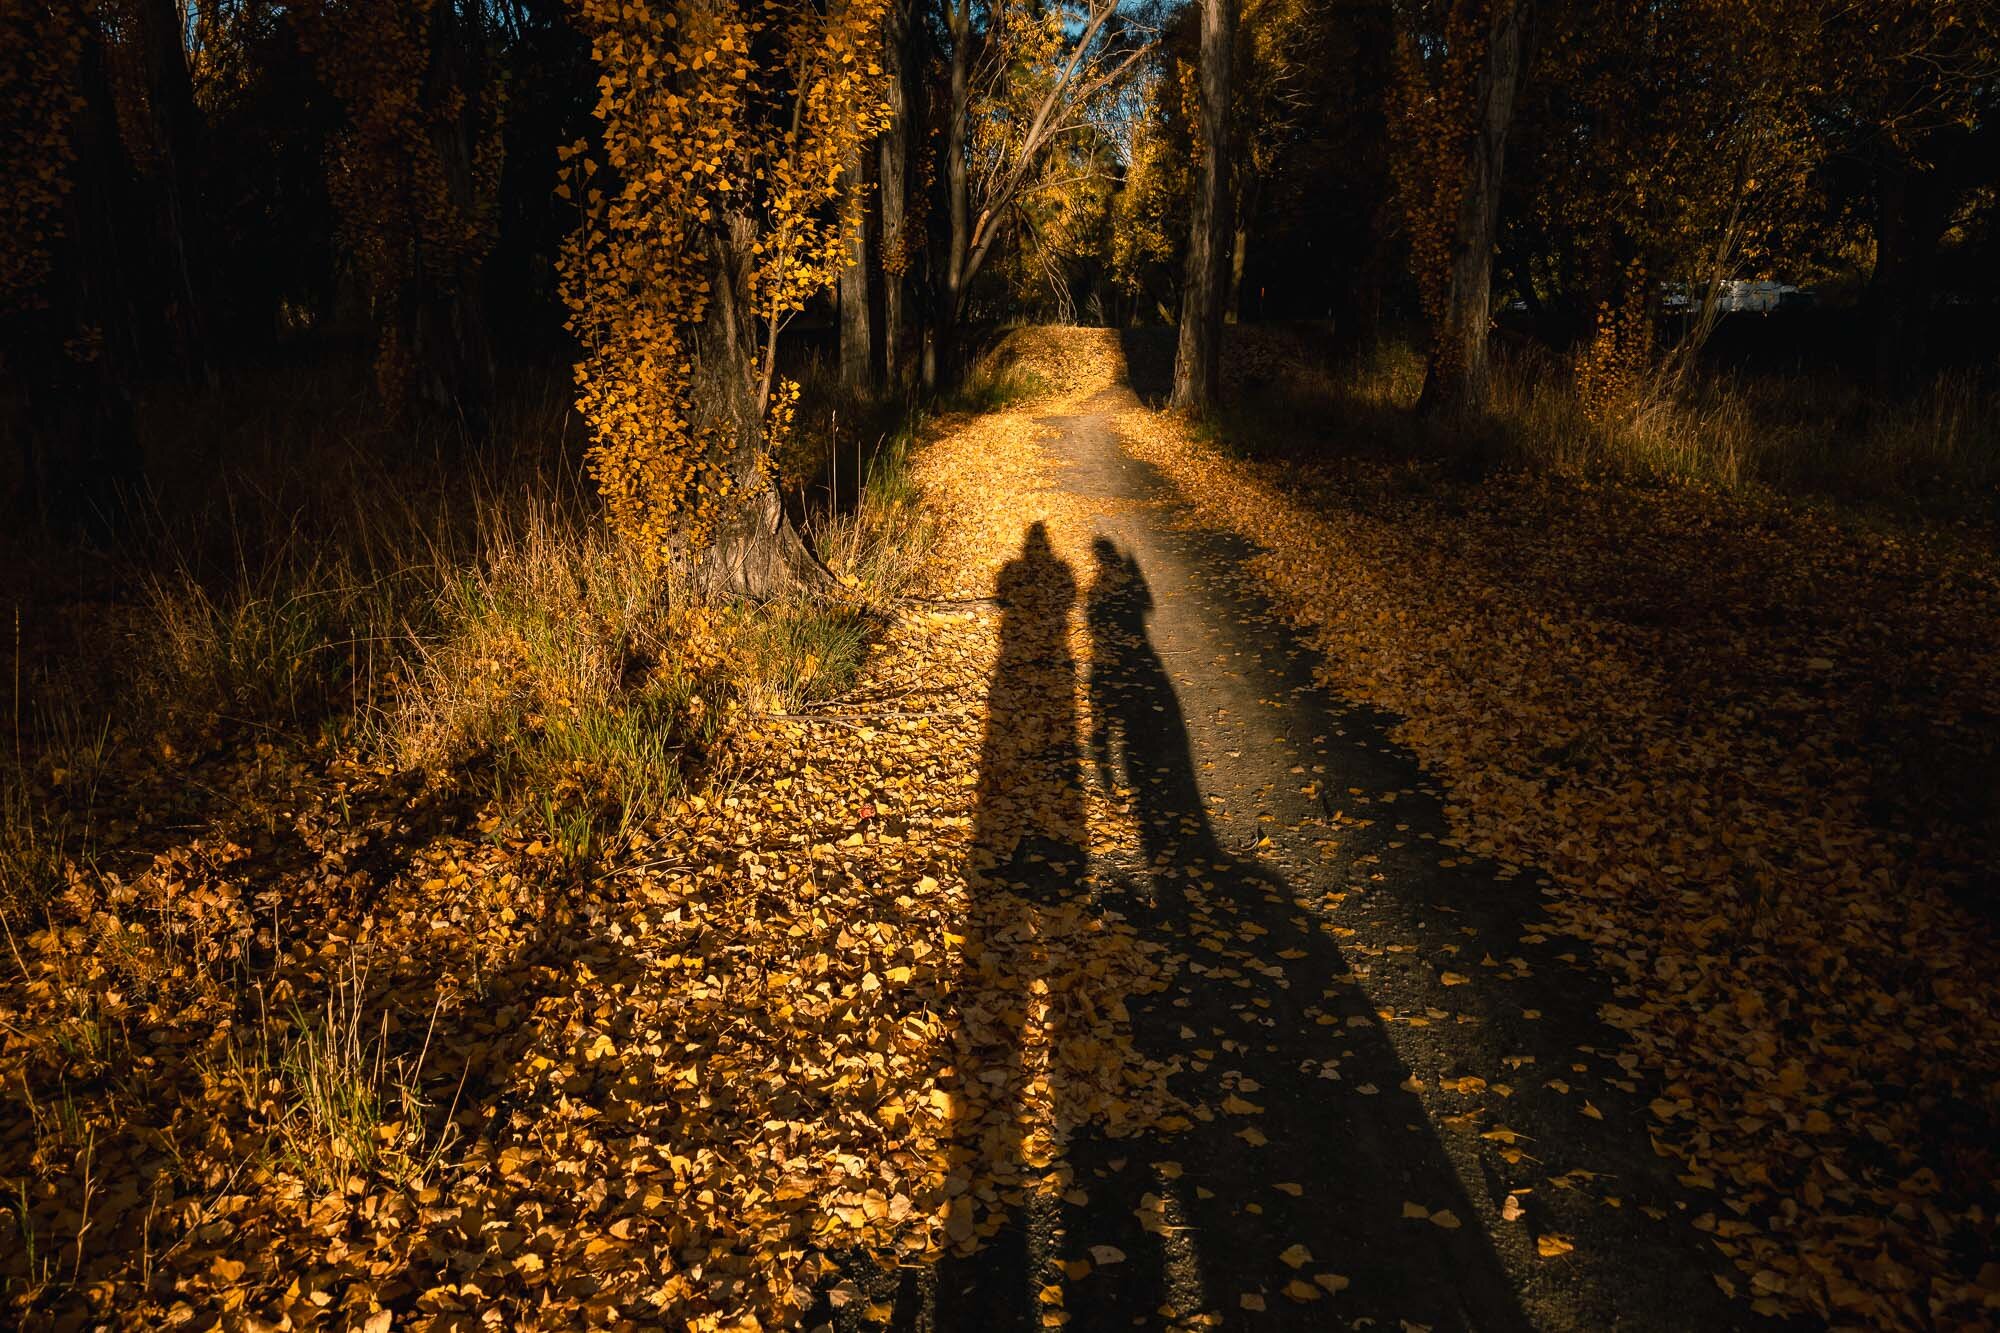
755 551
1198 361
1456 377
942 358
1909 222
170 99
857 347
893 194
80 355
1239 248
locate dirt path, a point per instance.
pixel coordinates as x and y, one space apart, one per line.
1400 1109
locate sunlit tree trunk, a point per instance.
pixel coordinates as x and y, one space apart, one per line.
894 148
1456 377
857 347
756 550
1198 361
681 285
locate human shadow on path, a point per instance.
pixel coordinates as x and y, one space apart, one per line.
1026 862
1268 1015
1276 1196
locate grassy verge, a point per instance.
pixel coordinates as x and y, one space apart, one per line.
244 764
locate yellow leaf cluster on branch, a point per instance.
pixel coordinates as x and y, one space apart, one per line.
1614 365
708 215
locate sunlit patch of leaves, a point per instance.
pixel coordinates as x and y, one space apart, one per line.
288 971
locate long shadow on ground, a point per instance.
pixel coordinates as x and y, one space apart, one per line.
1300 1150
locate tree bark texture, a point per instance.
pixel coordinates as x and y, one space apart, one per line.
80 355
1198 360
1239 250
892 192
755 551
857 343
1456 377
942 363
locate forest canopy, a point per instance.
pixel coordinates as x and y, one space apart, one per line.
206 187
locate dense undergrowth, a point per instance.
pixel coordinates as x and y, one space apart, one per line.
420 602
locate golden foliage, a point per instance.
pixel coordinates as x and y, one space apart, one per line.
724 128
1144 237
1620 352
899 250
678 1093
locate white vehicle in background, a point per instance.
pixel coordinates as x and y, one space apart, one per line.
1758 296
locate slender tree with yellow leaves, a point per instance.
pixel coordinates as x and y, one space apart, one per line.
707 218
1023 78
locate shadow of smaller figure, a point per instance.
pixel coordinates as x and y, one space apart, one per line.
1180 1221
1139 745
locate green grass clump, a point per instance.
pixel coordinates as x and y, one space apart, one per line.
805 652
424 605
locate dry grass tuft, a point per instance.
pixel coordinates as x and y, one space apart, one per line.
1938 452
337 1104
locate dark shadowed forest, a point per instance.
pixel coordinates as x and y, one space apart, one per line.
999 664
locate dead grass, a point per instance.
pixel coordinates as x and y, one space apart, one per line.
1937 453
1820 435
